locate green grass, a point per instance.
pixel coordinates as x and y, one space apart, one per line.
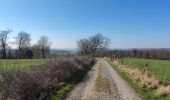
158 68
62 93
101 83
144 92
20 63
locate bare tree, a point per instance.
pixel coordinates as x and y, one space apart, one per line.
36 51
98 43
22 41
3 41
44 45
83 46
93 45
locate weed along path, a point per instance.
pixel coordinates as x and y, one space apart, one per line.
102 83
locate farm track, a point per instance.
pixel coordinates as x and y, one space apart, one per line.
102 83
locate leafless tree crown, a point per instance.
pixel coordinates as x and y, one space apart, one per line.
93 45
3 41
44 45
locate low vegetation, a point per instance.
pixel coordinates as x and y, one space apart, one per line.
102 84
144 92
44 80
158 68
144 83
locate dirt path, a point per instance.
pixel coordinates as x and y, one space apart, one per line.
103 83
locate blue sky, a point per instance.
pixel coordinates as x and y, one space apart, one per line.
128 23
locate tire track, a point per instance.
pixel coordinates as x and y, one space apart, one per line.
102 83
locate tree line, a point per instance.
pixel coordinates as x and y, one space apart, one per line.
163 54
24 49
94 45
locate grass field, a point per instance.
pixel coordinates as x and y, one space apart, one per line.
21 63
158 68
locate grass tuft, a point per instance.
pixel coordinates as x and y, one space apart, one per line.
101 83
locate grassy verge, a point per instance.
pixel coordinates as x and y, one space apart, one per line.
101 83
62 93
144 92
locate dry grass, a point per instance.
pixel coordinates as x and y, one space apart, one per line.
164 90
158 68
145 79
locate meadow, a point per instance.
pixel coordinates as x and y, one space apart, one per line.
158 68
20 63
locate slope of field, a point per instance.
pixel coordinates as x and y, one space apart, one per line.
159 68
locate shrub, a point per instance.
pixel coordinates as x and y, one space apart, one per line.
38 82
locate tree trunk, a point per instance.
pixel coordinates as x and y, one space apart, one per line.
43 54
4 51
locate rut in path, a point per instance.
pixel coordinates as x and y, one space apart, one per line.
102 83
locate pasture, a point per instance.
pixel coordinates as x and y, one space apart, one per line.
20 63
158 68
